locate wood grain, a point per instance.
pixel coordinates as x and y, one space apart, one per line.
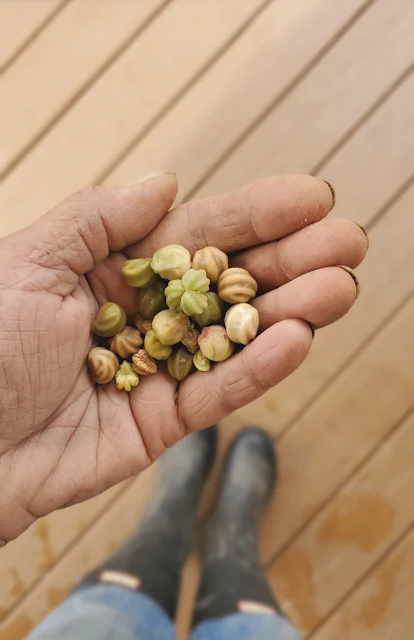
382 607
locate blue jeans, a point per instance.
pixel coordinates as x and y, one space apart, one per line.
111 612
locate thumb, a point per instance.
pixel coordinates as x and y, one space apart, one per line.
81 231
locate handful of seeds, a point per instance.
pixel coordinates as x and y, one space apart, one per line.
189 312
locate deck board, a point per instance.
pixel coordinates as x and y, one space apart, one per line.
382 607
327 103
83 39
38 549
346 422
20 21
96 543
348 537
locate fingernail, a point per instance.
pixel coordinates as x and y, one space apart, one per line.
153 174
353 276
333 193
364 231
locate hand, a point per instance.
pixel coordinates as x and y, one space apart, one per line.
63 439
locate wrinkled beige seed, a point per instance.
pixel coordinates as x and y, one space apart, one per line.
215 343
151 300
201 362
191 340
171 262
236 285
143 363
102 364
213 313
126 342
110 319
170 326
142 324
242 323
155 348
180 363
212 260
126 377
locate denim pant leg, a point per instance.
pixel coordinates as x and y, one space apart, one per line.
247 626
106 612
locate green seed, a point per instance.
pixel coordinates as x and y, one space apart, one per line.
213 313
151 300
138 272
110 320
180 364
155 348
201 362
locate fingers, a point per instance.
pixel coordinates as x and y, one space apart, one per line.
261 212
325 244
319 297
81 231
205 398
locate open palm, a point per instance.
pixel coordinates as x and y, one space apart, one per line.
63 439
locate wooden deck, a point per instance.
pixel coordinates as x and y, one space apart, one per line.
223 92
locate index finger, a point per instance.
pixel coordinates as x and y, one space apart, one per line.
261 212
